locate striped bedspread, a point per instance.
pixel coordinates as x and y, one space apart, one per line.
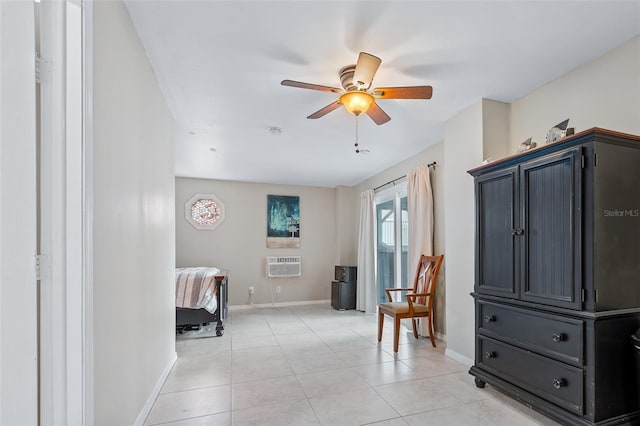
196 288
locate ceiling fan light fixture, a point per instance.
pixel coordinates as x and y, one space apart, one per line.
356 94
356 102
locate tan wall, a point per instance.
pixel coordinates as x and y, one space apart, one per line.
134 237
604 93
476 133
346 229
462 150
239 243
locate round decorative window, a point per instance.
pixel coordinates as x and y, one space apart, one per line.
204 211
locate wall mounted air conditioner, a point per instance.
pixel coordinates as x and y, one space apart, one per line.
283 266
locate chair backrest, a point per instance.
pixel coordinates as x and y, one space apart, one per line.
426 277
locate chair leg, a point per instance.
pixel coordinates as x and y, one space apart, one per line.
415 328
396 334
380 325
433 340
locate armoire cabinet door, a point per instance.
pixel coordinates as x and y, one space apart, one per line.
551 203
495 233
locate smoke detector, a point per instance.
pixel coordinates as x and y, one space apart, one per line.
275 131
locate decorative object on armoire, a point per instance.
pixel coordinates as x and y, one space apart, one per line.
556 284
558 131
283 221
526 145
204 211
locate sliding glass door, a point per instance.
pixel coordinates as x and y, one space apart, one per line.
392 240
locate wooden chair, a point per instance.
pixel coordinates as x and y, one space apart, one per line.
419 302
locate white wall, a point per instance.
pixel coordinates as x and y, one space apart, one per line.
604 93
18 300
429 155
239 244
134 237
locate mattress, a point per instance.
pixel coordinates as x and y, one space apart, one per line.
196 288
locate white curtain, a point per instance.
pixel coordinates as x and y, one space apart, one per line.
366 289
420 211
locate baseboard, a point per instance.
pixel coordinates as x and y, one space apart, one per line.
423 330
458 357
278 305
155 392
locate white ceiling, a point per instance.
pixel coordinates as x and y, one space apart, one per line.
220 63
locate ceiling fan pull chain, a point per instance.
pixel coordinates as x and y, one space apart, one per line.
357 149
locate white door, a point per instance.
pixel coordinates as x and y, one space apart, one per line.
18 233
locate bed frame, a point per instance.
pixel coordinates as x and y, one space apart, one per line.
188 319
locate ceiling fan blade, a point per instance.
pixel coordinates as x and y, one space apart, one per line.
326 110
365 70
411 92
377 114
301 85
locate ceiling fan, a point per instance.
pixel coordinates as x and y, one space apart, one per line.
355 95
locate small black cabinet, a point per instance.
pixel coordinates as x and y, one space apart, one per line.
557 278
343 288
343 295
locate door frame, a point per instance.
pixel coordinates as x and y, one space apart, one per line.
66 185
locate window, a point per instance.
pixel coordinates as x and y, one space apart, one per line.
204 211
392 225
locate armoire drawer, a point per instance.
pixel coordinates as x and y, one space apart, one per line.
551 335
552 380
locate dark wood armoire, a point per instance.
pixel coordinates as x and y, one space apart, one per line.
557 277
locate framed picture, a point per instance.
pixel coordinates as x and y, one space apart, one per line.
283 221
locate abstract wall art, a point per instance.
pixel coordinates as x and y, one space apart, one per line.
283 221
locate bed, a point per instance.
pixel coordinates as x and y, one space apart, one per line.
201 298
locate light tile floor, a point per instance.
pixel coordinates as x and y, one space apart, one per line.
313 365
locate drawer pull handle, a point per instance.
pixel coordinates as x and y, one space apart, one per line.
559 383
558 337
489 318
489 355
